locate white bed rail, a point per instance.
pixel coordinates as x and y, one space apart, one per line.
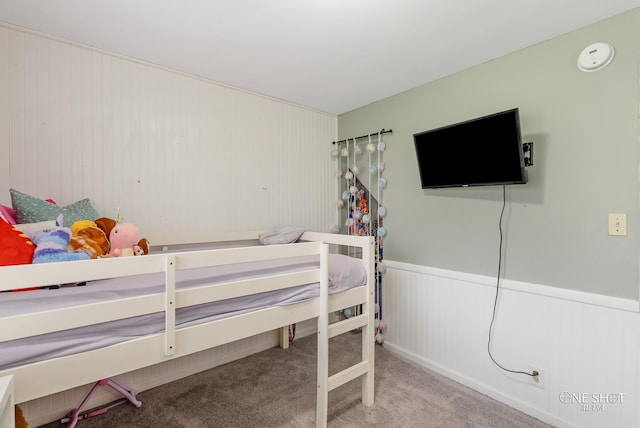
50 376
23 276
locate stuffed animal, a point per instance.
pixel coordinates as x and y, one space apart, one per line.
122 246
52 247
143 247
15 247
92 240
106 224
81 224
124 239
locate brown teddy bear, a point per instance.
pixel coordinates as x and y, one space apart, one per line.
106 224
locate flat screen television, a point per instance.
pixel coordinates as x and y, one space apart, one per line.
485 151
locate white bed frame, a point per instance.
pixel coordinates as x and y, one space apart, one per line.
47 377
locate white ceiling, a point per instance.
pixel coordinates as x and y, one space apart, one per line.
330 55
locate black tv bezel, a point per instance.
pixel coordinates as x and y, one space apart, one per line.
523 178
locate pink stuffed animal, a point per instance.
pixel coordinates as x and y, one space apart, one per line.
124 239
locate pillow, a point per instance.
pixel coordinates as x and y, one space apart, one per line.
345 272
29 209
15 246
8 214
32 229
283 236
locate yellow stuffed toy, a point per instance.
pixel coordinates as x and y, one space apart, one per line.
81 224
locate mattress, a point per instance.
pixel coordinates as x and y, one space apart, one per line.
344 273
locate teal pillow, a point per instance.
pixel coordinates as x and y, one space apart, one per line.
29 209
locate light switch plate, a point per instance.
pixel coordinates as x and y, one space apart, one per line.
617 224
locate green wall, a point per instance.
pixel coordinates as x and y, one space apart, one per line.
585 132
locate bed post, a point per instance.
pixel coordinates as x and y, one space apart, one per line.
322 399
170 306
283 337
368 340
7 409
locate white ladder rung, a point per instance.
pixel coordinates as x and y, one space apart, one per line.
349 324
347 375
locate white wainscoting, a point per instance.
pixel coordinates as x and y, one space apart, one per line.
587 345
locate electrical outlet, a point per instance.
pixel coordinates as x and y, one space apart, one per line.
539 379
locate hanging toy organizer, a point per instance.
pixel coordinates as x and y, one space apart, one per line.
361 211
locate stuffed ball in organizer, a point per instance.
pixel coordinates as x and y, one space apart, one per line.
124 239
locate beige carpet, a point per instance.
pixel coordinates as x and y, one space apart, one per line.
276 388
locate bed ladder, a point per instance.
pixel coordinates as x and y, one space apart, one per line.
363 369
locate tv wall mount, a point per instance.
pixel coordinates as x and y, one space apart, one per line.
527 151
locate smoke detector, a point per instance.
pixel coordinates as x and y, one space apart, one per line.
595 57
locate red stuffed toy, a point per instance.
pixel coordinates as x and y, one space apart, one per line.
15 247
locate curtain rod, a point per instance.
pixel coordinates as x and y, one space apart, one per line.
383 131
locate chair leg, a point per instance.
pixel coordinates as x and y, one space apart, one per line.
77 414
